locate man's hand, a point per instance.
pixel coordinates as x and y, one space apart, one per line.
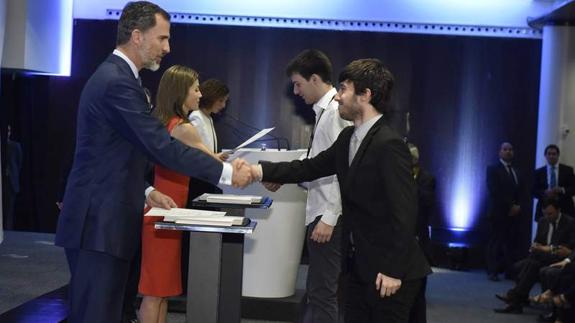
242 175
322 232
563 251
158 199
272 187
560 264
60 205
386 285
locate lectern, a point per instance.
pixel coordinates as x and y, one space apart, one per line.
272 253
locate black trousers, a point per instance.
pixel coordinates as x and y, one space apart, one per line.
364 305
323 276
418 312
97 286
502 238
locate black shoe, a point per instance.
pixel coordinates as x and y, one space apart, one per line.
493 277
510 309
503 297
547 317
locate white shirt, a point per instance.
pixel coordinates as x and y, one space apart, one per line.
205 126
323 197
227 170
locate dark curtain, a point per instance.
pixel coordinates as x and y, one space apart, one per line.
482 89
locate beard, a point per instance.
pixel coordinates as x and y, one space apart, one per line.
152 66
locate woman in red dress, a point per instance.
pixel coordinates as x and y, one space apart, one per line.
178 94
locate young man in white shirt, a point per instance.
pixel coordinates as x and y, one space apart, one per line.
310 73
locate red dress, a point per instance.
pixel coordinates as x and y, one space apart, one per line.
161 249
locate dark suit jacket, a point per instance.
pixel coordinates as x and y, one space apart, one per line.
116 134
503 193
379 200
564 235
566 180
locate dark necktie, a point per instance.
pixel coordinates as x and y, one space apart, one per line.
510 171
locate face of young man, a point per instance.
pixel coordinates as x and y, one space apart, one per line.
220 104
348 101
155 44
304 88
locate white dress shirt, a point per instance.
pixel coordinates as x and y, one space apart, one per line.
205 126
323 197
227 170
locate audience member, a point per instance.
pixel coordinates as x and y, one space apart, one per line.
554 241
504 186
554 180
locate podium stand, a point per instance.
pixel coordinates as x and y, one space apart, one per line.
272 254
214 272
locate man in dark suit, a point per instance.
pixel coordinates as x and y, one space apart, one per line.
504 186
555 240
379 198
101 220
554 180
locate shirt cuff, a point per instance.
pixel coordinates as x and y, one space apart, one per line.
227 172
330 219
259 173
149 190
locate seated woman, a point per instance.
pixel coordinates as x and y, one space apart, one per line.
178 94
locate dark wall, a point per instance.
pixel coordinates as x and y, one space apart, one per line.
448 84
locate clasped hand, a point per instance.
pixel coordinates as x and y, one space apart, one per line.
242 174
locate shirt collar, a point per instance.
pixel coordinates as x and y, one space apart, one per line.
130 63
505 163
324 101
361 131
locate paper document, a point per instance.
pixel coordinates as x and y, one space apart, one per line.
196 217
230 198
180 212
255 137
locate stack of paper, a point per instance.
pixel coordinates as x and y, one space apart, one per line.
230 198
200 217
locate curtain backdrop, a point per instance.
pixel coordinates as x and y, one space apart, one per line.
465 96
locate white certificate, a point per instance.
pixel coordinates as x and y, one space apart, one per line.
255 137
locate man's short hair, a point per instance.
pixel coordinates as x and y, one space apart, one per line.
139 15
552 147
309 62
369 73
547 201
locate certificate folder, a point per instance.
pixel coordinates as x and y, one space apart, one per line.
197 217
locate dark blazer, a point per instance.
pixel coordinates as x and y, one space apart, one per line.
503 192
116 135
379 199
566 180
564 235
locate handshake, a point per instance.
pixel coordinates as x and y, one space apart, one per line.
244 174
